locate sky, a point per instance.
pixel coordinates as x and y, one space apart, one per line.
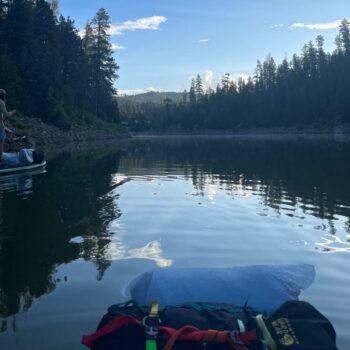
162 44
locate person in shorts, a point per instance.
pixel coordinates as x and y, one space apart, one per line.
3 114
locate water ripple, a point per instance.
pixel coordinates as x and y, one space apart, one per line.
333 244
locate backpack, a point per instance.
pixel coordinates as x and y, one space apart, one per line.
297 325
25 157
210 326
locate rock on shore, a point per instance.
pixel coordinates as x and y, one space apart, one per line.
34 133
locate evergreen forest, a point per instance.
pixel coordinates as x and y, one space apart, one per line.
53 72
310 89
66 76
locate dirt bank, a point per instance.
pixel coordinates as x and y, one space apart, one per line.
34 133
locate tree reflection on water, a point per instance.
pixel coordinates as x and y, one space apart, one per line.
311 173
292 176
35 233
40 232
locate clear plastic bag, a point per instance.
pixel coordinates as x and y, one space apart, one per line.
262 287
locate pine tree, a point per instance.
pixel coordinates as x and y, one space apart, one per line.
344 35
192 93
3 9
269 71
54 7
321 55
258 76
88 39
225 83
43 62
18 40
199 88
282 71
103 67
184 98
310 60
46 63
74 63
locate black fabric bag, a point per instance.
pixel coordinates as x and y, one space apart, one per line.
297 325
203 316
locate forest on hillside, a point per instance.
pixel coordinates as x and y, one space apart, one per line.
67 77
310 89
52 72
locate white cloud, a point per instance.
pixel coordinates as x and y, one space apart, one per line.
81 33
277 26
153 89
146 23
201 41
117 47
208 78
244 77
317 26
238 76
122 92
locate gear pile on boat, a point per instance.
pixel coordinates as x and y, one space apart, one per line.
25 159
139 324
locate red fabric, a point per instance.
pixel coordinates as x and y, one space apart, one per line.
200 336
180 334
188 333
211 335
110 327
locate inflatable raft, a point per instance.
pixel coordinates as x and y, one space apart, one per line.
22 169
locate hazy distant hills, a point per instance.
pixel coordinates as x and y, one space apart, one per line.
152 96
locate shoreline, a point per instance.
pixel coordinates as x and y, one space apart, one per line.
341 132
34 133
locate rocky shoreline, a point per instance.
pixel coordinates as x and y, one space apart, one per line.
341 131
34 133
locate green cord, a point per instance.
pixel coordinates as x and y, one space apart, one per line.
151 344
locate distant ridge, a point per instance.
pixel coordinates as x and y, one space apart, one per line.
151 96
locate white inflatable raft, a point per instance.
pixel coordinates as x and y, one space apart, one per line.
21 169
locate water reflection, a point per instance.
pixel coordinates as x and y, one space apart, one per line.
22 184
114 249
297 178
333 244
70 200
73 211
311 175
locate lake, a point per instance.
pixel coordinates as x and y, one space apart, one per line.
73 236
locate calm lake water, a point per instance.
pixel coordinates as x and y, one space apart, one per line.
72 237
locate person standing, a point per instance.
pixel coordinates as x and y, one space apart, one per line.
3 113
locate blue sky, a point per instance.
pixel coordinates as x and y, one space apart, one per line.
161 44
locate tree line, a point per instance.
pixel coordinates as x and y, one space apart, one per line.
53 72
311 88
